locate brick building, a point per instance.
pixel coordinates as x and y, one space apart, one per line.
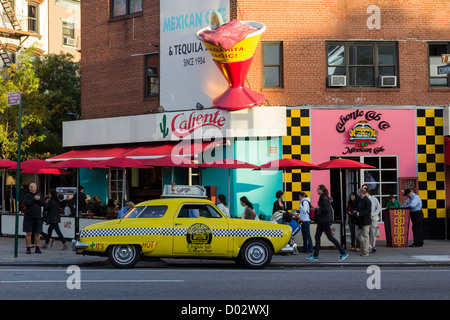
321 60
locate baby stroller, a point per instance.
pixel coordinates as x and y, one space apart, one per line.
282 217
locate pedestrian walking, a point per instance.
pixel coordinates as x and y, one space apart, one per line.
414 203
53 219
304 216
352 208
363 221
324 217
32 218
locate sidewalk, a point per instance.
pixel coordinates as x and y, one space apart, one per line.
433 253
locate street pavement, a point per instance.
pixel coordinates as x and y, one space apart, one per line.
433 253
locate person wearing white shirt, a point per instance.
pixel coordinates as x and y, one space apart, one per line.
375 215
304 216
222 205
414 203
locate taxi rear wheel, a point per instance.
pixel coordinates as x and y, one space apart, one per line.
255 254
123 255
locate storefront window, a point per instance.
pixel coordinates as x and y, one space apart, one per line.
381 181
116 182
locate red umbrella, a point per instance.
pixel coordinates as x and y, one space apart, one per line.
46 171
170 161
33 164
229 164
123 162
287 164
6 163
78 163
339 164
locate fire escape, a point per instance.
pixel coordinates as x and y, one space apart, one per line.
15 32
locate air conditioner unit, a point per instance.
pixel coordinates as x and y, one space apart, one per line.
388 81
338 81
69 41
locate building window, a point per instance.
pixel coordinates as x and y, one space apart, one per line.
435 50
125 7
272 64
152 75
33 18
362 64
68 31
116 184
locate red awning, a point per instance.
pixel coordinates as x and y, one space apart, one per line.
149 151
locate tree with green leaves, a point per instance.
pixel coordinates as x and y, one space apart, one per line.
22 77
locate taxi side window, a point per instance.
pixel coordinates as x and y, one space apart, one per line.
198 211
147 212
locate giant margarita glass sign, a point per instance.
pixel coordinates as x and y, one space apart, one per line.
188 77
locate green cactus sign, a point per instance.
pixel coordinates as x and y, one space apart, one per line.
163 127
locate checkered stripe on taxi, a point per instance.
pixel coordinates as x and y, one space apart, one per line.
178 232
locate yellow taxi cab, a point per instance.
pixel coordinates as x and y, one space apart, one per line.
182 227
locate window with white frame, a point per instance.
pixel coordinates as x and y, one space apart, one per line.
68 32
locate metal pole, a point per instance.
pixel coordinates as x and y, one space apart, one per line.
19 143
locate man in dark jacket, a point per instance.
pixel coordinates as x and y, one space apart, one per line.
363 221
32 218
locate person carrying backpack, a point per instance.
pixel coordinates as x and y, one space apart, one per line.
324 217
305 212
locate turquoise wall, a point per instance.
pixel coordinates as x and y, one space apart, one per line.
95 183
258 186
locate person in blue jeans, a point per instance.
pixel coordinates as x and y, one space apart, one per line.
304 215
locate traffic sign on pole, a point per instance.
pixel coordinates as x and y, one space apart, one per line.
13 98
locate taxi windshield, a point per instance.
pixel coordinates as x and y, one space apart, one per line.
146 212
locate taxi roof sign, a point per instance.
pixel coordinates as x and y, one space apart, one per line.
184 191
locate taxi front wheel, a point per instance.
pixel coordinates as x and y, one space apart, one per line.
255 254
123 255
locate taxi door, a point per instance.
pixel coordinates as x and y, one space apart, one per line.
199 229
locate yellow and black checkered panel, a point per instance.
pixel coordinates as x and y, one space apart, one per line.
297 145
431 167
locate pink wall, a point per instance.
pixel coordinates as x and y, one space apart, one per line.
397 138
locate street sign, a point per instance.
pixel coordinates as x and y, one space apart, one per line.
443 69
13 98
445 58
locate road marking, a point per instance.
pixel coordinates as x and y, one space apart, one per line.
88 281
432 257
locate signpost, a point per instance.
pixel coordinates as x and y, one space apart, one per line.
15 98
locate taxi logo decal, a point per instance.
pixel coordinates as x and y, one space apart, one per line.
178 232
199 237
